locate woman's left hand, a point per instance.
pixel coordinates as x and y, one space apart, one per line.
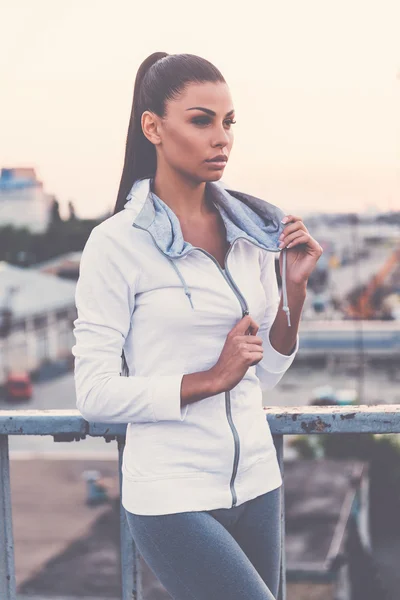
303 250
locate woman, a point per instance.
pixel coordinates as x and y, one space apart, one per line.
181 281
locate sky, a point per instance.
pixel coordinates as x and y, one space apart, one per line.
315 85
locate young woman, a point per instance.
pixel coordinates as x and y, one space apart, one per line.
180 281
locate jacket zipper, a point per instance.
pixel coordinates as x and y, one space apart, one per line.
245 311
228 407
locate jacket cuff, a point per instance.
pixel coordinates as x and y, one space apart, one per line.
167 398
274 361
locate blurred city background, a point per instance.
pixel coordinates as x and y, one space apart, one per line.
317 93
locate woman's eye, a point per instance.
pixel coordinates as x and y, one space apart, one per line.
207 120
201 120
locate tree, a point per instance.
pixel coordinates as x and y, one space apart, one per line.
71 209
55 218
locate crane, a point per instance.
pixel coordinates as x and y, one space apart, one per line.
362 307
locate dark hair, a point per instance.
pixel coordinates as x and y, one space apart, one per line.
160 77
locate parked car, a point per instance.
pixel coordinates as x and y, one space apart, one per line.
18 386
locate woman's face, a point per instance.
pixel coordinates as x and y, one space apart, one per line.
197 127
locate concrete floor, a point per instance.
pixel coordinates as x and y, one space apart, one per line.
50 514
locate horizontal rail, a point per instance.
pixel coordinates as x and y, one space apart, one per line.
68 425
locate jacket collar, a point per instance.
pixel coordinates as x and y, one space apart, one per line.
244 216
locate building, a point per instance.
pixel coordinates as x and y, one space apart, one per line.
23 202
65 266
42 313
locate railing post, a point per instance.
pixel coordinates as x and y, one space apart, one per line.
7 567
129 556
278 440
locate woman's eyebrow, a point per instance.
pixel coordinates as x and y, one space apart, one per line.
209 111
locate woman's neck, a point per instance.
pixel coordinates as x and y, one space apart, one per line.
186 198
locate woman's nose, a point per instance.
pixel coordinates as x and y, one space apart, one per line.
221 139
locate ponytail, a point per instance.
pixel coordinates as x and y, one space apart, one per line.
160 77
140 155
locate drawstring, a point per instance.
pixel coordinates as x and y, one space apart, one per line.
285 306
187 291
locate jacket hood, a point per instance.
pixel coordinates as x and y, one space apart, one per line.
244 216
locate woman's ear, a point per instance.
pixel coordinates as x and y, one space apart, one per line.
151 127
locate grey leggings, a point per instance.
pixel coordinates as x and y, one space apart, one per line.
221 554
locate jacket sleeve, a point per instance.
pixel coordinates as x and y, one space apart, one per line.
273 365
105 301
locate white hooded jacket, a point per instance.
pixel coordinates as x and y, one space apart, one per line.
166 307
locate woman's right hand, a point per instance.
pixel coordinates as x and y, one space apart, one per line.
242 349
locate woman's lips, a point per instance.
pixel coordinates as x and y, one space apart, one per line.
218 164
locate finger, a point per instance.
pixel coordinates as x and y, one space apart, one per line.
255 351
255 357
254 339
255 362
252 354
293 227
241 326
247 323
290 218
302 240
292 237
253 327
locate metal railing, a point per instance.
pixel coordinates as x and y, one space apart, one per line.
68 425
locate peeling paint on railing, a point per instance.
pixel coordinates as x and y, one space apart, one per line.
69 425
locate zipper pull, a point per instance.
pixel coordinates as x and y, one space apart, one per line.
245 313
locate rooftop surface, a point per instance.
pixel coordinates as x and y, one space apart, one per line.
36 293
64 546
